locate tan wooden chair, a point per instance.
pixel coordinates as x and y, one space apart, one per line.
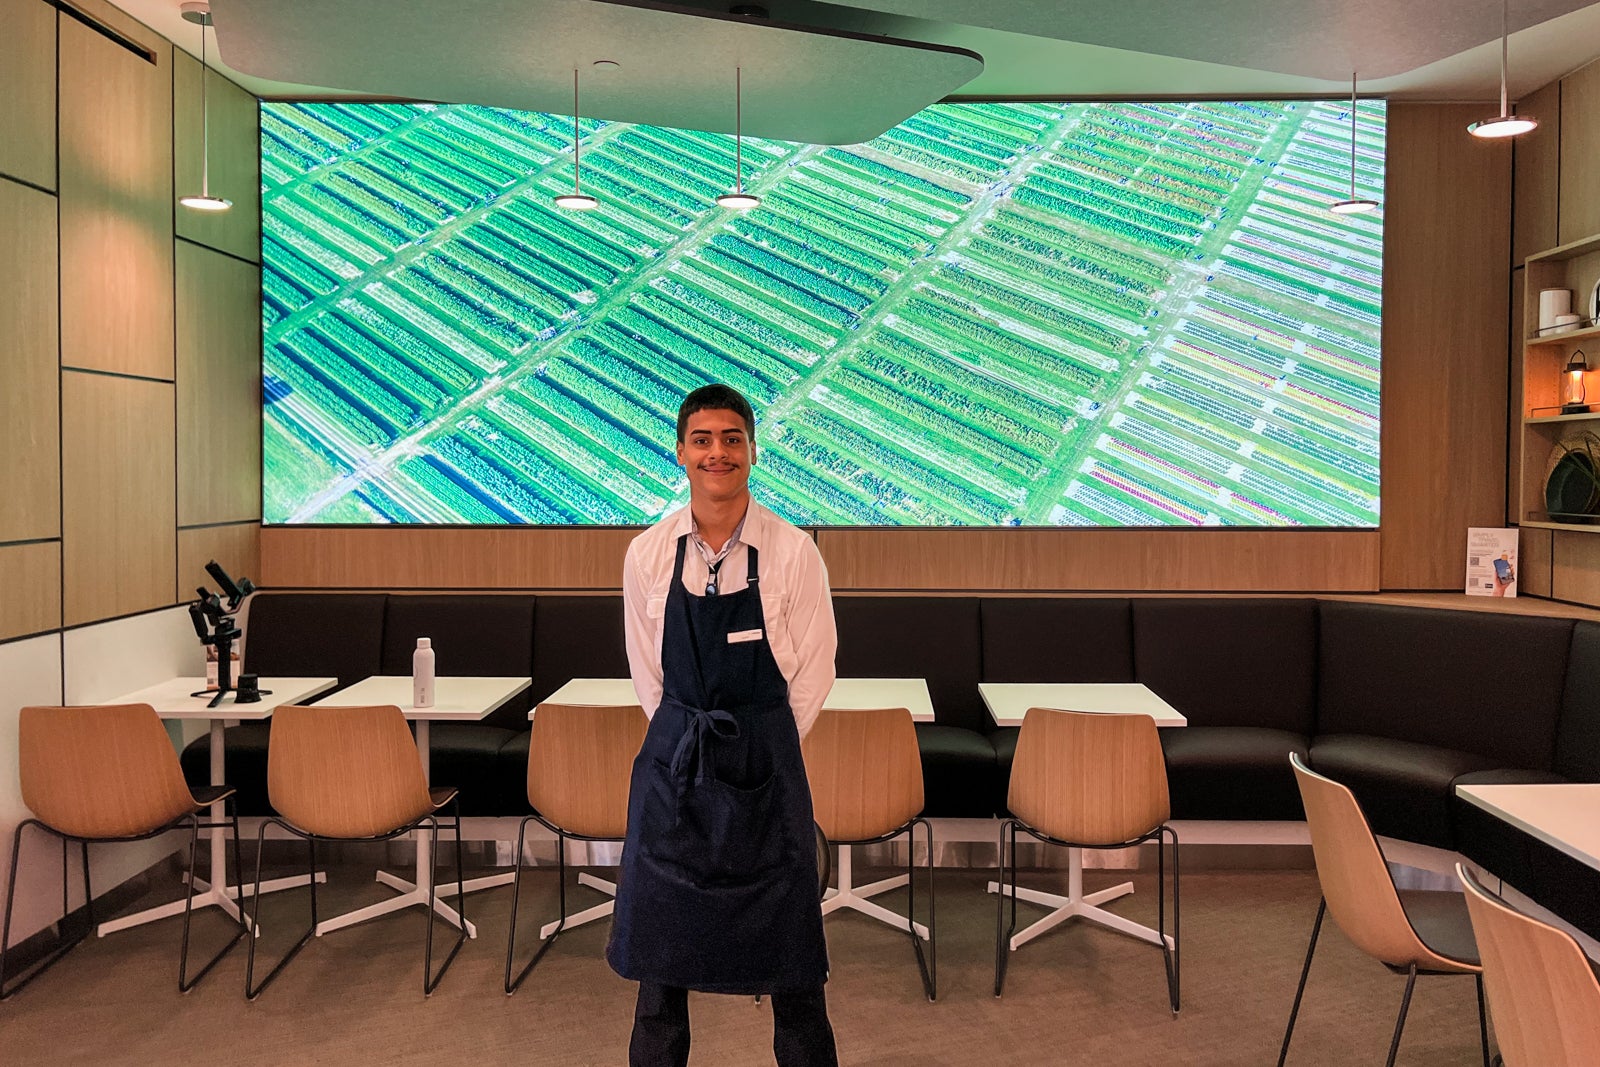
102 774
1412 932
1088 780
580 764
866 787
1542 988
351 774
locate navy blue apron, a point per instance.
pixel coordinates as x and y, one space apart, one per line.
718 888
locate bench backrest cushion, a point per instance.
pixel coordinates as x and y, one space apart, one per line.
1578 732
1247 661
576 637
1056 639
484 634
1473 681
315 635
916 637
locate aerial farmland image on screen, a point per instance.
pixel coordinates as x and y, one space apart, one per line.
1114 314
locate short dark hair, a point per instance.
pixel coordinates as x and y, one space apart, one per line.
717 398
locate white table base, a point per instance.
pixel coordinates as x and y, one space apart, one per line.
208 895
1078 905
412 894
588 915
856 897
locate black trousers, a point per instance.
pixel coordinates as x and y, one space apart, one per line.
801 1033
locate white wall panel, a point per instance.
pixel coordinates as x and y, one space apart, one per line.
30 673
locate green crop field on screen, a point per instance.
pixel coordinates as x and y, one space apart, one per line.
1113 314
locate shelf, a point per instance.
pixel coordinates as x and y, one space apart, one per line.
1574 527
1563 338
1588 416
1571 250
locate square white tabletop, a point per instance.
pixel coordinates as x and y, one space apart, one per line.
1009 702
455 698
171 698
846 694
1565 816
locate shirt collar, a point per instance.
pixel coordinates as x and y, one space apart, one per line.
752 530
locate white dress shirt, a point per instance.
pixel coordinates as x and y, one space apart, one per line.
794 598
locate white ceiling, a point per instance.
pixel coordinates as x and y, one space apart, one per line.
1423 49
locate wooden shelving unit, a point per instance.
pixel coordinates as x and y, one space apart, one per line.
1574 266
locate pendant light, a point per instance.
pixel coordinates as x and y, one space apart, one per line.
199 13
1504 124
739 200
577 200
1354 205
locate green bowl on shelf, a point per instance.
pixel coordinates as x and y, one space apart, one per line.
1573 487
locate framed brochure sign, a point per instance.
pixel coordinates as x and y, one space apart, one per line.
1491 561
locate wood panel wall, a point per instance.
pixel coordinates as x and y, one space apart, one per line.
28 89
90 501
1580 155
1445 324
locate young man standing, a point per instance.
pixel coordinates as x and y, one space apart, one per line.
731 642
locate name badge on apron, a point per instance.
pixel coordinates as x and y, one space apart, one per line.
744 635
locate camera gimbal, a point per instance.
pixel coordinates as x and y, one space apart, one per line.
215 625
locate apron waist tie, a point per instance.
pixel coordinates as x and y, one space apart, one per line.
692 757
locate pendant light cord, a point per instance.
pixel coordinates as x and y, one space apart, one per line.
575 176
738 129
205 115
1352 135
1505 46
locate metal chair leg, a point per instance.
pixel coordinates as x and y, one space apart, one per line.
252 991
1294 1012
927 965
516 900
429 984
11 894
1169 956
1400 1022
184 982
1002 940
1483 1020
512 984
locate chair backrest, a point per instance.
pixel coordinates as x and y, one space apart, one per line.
108 771
580 764
865 772
345 772
1088 777
1542 991
1355 878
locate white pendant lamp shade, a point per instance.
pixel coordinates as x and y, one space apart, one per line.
1354 205
577 200
1504 124
738 200
199 13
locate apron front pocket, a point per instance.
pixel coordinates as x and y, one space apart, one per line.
738 833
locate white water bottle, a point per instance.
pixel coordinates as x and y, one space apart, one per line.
422 674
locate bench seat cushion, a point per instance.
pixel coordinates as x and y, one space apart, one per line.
1405 788
245 765
959 775
1233 772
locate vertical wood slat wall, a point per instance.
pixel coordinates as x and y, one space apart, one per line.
1556 200
129 420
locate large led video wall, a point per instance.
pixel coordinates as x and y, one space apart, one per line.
1113 314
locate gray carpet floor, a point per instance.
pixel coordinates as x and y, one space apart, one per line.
1078 995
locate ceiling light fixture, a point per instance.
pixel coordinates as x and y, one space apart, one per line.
199 13
739 200
577 200
1355 205
1504 124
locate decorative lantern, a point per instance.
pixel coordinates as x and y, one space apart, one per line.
1572 388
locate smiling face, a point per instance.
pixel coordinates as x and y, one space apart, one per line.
717 453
